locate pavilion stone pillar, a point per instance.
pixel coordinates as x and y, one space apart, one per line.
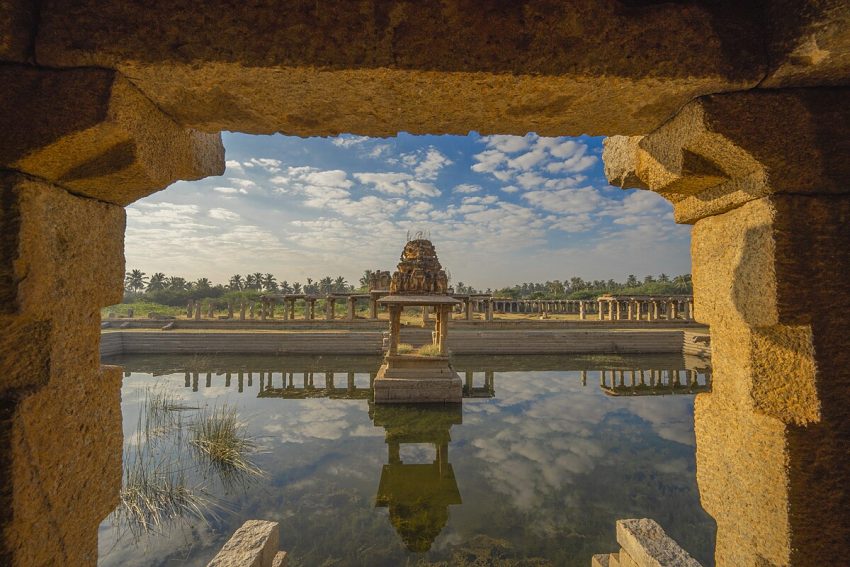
443 318
292 309
284 311
330 306
264 307
488 306
373 306
763 175
395 328
251 309
674 309
467 306
656 314
310 312
230 310
197 311
582 311
425 315
599 309
60 447
686 311
617 310
629 310
352 304
190 308
272 302
242 308
210 310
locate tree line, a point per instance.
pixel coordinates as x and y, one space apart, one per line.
175 290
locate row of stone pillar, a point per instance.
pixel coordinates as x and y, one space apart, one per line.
668 378
243 378
541 306
266 309
644 309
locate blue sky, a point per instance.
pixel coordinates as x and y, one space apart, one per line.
499 209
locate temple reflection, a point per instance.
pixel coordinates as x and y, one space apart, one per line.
654 382
418 495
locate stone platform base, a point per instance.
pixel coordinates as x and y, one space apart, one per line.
417 379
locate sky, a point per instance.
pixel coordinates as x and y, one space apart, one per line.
500 210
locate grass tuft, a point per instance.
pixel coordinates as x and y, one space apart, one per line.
405 348
429 350
220 440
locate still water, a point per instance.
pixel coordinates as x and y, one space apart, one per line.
544 455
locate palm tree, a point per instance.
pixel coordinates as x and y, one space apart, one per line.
176 283
156 283
663 278
683 282
308 287
340 285
296 288
285 287
250 283
326 285
258 280
631 281
269 282
365 279
135 280
203 283
236 283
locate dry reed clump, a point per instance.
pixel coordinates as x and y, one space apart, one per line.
220 441
405 348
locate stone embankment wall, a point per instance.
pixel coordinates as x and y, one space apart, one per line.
370 342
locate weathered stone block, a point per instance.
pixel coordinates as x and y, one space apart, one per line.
377 68
93 132
17 30
809 44
721 151
255 544
600 560
646 544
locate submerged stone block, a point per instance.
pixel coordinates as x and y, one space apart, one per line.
255 544
646 544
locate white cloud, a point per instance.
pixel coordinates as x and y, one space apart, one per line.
229 190
508 144
466 188
567 201
223 214
348 141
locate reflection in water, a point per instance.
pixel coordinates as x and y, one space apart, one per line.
545 461
418 495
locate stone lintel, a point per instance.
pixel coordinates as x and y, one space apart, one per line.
255 544
645 542
94 133
377 68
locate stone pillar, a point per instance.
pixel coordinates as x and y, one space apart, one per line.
352 304
467 305
599 309
190 308
242 308
230 310
442 342
330 306
488 306
210 310
264 307
629 310
686 311
674 309
762 176
582 311
425 316
395 328
373 307
655 311
310 312
272 302
292 309
197 311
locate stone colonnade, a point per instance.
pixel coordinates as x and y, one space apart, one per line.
646 308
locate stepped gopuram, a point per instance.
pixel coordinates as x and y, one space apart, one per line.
423 376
